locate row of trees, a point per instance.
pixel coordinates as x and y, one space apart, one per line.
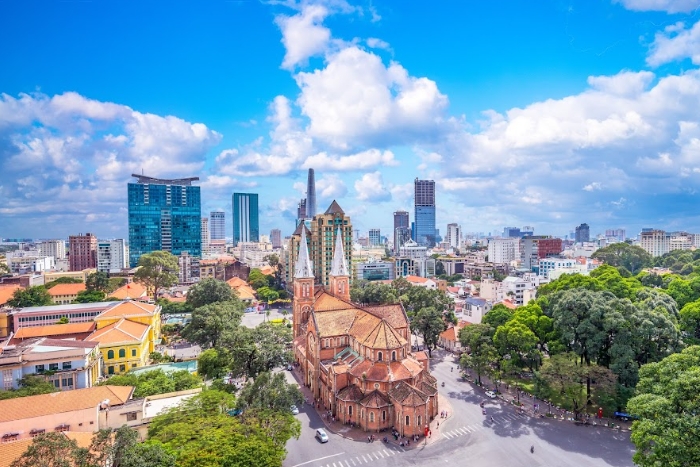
97 286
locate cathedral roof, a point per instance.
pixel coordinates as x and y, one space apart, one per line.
407 395
334 208
303 268
375 400
383 336
350 393
340 263
393 314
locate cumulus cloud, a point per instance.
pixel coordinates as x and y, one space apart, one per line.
669 6
303 35
363 160
371 188
330 187
675 43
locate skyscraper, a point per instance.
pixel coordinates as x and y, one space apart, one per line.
402 231
164 215
424 218
583 233
246 227
311 195
111 255
454 235
82 252
205 236
375 237
301 209
276 238
217 225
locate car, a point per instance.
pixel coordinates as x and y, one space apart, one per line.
321 435
289 367
490 394
295 410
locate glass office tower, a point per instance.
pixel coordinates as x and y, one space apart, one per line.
424 219
246 225
164 215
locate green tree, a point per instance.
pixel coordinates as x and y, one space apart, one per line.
257 279
373 293
258 350
151 454
515 339
155 382
477 339
274 261
86 296
63 280
667 405
429 324
213 363
269 391
690 322
681 291
209 291
97 282
51 450
157 270
632 258
210 322
31 296
115 283
29 385
498 316
168 307
267 294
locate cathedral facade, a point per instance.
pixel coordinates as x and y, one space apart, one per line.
357 360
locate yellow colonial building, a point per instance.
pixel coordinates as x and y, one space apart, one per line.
127 332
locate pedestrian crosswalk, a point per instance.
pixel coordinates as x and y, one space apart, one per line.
465 430
367 458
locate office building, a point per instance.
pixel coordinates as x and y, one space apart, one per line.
217 225
582 234
246 227
276 238
311 195
503 250
424 218
301 209
511 232
454 235
617 234
164 215
402 230
656 242
55 248
527 231
375 271
535 248
375 238
205 236
111 255
82 252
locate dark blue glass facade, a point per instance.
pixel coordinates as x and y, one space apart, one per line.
164 217
424 225
246 223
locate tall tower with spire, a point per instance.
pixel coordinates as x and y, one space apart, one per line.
311 195
303 287
340 275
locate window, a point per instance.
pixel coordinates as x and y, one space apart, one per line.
133 352
350 410
67 365
122 353
131 416
380 356
56 383
384 415
7 379
110 370
418 423
122 368
110 354
371 417
53 366
393 356
39 368
408 419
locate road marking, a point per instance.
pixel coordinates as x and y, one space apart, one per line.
364 458
353 461
461 430
388 453
380 453
347 463
445 436
319 459
373 454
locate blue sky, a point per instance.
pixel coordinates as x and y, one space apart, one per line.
547 113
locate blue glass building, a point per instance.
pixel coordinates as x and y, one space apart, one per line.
164 215
246 223
424 232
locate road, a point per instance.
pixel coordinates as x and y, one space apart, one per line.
251 320
469 438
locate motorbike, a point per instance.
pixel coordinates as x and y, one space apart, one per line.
532 449
483 412
481 405
443 384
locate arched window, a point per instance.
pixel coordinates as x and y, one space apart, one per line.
418 423
350 410
110 354
393 356
380 356
371 417
384 415
408 420
122 353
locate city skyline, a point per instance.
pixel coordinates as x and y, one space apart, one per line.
544 115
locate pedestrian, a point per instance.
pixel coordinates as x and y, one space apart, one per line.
438 424
430 433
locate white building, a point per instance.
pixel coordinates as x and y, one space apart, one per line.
503 250
217 225
253 253
474 309
550 264
655 242
55 248
453 237
514 289
413 260
111 255
23 262
205 237
375 270
491 290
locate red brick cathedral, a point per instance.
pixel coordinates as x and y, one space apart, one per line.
357 360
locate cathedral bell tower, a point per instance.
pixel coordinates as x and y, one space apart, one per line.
340 275
303 286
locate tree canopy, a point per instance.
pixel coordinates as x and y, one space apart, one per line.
631 257
98 282
31 296
209 291
157 270
258 350
29 385
150 383
210 322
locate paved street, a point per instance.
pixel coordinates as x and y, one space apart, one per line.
250 320
466 437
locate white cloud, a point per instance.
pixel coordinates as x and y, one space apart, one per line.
330 187
370 188
361 161
303 35
375 43
669 6
675 43
593 186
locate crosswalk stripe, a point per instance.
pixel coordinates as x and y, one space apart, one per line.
353 461
347 463
445 436
364 458
375 455
380 453
389 453
461 430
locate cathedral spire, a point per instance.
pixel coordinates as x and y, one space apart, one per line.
340 264
303 268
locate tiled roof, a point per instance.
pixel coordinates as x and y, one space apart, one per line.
375 400
6 293
407 395
327 302
416 279
449 334
386 371
130 290
363 326
334 208
62 402
128 308
350 393
267 270
241 287
383 337
61 343
393 314
12 450
508 304
335 323
427 388
301 225
123 331
66 289
430 379
54 330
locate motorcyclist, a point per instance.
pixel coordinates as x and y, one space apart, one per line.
532 449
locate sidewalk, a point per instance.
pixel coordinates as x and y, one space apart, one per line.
359 435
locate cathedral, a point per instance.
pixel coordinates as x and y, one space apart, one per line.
357 360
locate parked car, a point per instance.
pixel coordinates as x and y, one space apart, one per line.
321 435
490 394
295 410
289 367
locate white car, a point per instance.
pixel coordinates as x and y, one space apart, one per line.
321 435
295 410
490 394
